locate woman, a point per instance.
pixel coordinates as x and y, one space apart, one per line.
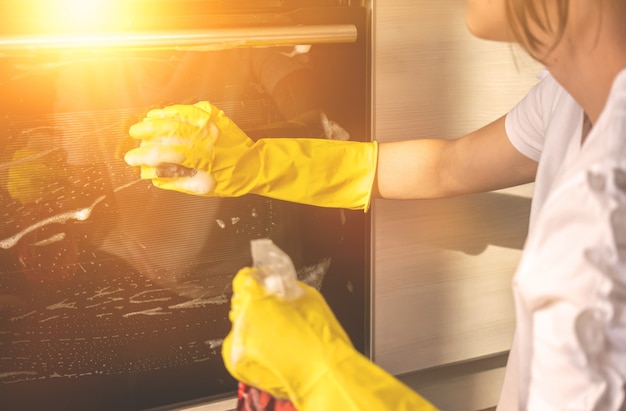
568 135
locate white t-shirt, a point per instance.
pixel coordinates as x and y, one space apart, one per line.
569 350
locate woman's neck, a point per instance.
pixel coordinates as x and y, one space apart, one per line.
588 60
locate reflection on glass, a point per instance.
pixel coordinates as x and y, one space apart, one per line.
115 294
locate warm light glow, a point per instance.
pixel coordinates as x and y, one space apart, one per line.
84 14
78 15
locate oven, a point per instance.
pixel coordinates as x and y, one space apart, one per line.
114 295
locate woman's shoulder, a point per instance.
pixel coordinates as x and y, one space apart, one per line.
552 93
547 111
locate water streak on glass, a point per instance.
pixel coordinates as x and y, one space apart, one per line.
112 291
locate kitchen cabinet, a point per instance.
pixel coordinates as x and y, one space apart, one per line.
442 269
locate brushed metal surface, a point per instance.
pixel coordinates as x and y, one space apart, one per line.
460 387
193 40
442 268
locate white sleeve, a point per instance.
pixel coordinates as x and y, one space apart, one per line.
526 123
571 296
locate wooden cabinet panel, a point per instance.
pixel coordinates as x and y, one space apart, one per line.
443 268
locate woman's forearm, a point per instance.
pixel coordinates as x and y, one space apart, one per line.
435 168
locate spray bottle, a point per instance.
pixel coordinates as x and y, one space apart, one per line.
277 274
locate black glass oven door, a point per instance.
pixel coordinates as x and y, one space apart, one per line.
114 295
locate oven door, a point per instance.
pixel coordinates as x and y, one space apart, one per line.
114 295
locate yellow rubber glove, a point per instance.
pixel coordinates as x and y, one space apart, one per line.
296 349
221 160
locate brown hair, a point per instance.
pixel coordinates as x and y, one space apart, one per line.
526 16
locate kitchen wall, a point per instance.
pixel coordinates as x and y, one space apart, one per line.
442 305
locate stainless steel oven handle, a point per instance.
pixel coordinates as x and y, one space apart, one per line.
209 39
